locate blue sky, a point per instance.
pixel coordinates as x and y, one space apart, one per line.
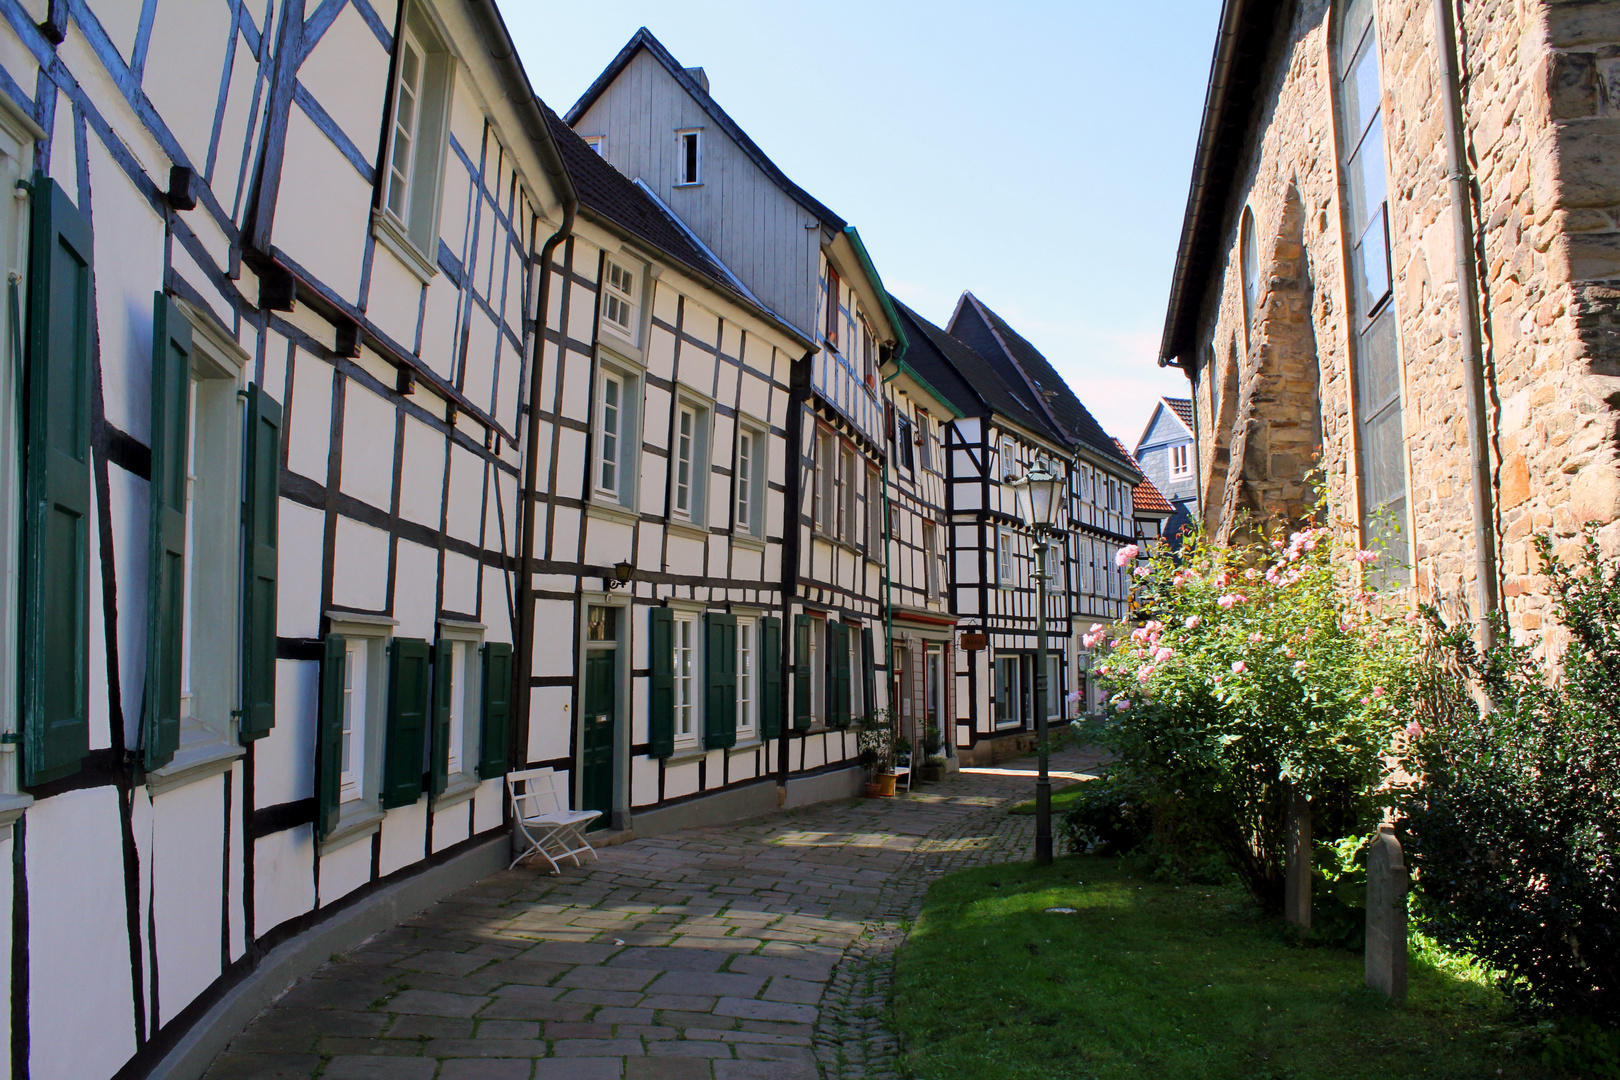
1037 154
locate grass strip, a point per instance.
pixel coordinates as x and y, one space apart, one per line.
1148 979
1062 797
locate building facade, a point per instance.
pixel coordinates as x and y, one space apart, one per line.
1167 455
1399 255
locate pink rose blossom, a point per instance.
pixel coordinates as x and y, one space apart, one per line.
1299 665
1178 580
1162 653
1239 667
1144 673
1227 601
1251 573
1193 621
1255 637
1378 691
1142 571
1366 556
1122 706
1414 729
1126 554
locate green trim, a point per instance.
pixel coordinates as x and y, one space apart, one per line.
907 369
901 342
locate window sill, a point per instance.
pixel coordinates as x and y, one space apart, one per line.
396 240
599 507
357 819
201 755
685 753
690 183
11 808
687 529
457 790
752 543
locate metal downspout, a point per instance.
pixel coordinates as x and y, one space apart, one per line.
888 589
1485 563
531 457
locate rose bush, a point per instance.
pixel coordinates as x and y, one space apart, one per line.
1257 668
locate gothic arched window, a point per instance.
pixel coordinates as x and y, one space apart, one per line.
1375 357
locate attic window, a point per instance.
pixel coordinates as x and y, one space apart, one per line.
595 143
832 306
691 156
619 301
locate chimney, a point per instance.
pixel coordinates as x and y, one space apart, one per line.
702 79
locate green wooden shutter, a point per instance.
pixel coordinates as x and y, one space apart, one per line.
329 737
868 672
801 672
840 669
260 527
166 531
661 692
720 664
56 517
770 687
406 737
493 732
439 759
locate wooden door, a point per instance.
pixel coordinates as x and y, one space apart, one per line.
596 766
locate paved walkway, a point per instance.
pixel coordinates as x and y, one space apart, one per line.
761 949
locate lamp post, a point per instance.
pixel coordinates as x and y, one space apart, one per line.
1039 504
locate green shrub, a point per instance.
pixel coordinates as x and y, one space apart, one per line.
1106 816
1514 825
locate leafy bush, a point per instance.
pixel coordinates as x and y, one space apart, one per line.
1514 823
1266 665
1106 817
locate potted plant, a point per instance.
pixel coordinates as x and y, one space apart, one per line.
874 738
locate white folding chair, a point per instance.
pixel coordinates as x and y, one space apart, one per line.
550 828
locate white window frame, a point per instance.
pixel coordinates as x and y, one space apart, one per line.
622 283
595 142
610 406
748 481
930 560
1180 459
1004 558
410 228
824 507
688 685
628 471
748 653
466 706
857 673
925 456
874 515
846 494
694 178
694 454
210 634
359 811
818 677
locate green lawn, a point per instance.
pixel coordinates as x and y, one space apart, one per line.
1150 980
1061 798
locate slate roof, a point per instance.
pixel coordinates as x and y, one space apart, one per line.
606 191
1020 363
1146 496
643 39
1182 407
965 377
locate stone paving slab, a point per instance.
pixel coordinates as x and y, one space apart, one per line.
760 949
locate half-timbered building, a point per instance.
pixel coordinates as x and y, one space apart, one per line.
269 274
656 121
664 399
917 595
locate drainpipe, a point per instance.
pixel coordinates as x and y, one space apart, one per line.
1485 568
799 379
531 470
888 583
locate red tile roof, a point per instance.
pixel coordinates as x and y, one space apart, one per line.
1145 497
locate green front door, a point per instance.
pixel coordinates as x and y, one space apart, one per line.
597 765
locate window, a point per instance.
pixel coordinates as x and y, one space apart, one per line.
747 683
686 678
826 464
818 676
1007 692
595 142
857 672
923 439
868 355
354 719
846 503
689 463
1179 465
619 301
1004 558
1088 559
1375 354
1250 257
1054 689
874 515
749 482
904 441
930 561
617 437
459 655
690 144
839 491
832 306
610 421
416 132
1009 460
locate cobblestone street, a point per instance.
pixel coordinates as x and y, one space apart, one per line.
757 950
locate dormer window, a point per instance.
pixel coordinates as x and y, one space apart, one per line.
1179 465
619 300
595 143
691 159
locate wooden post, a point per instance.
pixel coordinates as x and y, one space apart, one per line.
1386 915
1297 870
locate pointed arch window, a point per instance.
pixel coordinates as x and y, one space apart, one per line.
1375 356
1249 255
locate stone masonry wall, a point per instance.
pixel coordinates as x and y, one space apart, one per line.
1542 113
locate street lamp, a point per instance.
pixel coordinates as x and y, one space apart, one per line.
1040 502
